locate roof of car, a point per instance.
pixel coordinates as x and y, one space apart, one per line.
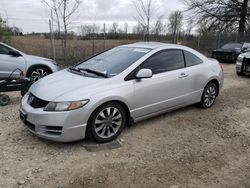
150 45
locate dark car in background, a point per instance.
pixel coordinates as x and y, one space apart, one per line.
230 52
243 64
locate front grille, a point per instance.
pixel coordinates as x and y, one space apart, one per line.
246 65
247 61
35 102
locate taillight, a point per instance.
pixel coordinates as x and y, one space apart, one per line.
221 66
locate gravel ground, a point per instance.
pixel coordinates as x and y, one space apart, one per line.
189 147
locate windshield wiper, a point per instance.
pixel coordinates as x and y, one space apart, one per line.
94 72
74 69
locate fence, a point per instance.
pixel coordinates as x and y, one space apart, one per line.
81 47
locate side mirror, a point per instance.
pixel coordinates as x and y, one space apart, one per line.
245 49
144 73
15 53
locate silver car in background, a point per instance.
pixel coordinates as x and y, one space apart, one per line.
99 96
13 61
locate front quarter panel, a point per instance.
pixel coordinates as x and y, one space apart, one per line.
123 94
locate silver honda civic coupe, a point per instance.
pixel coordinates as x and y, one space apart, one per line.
98 97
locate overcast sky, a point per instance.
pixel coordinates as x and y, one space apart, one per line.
31 15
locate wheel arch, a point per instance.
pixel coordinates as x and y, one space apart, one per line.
216 82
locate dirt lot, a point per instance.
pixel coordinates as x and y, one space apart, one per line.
185 148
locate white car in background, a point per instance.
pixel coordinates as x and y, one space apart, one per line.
13 61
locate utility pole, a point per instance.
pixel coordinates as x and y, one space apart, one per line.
93 39
104 36
52 37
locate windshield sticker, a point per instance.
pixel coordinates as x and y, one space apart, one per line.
141 50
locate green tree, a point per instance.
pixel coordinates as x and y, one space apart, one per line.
5 32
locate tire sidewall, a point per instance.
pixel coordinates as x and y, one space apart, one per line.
91 133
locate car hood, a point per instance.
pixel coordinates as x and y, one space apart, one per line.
36 58
246 55
225 50
67 86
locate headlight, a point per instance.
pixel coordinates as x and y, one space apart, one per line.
65 106
239 63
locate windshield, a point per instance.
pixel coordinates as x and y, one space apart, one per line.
113 61
232 46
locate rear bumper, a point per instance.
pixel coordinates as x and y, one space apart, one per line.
224 57
56 126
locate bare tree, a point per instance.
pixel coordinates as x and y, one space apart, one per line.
86 30
63 11
190 26
126 29
54 5
138 29
114 27
175 24
159 26
145 10
221 14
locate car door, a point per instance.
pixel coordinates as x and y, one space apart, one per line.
10 63
168 86
195 69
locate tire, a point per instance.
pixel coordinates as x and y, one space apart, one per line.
23 92
4 100
106 122
37 73
209 96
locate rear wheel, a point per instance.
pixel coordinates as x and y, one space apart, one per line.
4 100
37 73
107 122
209 96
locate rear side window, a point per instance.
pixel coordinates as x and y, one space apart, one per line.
4 50
164 61
191 59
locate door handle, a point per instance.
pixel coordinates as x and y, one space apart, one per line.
183 75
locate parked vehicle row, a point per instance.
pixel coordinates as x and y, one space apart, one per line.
238 53
229 52
98 97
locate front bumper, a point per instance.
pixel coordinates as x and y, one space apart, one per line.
243 66
238 66
56 126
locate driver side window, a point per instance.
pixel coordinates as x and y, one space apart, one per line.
4 50
165 61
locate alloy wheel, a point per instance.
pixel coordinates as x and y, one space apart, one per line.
108 122
38 74
210 96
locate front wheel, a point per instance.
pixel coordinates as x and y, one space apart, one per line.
4 99
38 73
107 122
209 96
